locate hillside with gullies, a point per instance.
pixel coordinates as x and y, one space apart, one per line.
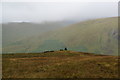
93 36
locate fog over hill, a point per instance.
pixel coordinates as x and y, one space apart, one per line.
94 36
80 26
19 30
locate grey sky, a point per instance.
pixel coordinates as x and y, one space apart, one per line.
56 11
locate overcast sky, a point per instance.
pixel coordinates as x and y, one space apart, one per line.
56 11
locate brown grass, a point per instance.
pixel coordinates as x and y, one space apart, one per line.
64 64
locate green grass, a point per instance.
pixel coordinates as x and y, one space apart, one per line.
59 64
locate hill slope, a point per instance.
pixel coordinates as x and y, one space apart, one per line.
59 64
16 31
94 36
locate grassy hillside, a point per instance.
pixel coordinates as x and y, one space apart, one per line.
59 64
94 36
17 31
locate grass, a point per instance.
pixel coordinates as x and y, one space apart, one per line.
59 64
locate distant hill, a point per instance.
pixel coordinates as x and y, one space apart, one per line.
14 31
94 36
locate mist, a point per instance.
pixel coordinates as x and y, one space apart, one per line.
56 11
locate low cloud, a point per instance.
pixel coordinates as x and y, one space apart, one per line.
56 11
